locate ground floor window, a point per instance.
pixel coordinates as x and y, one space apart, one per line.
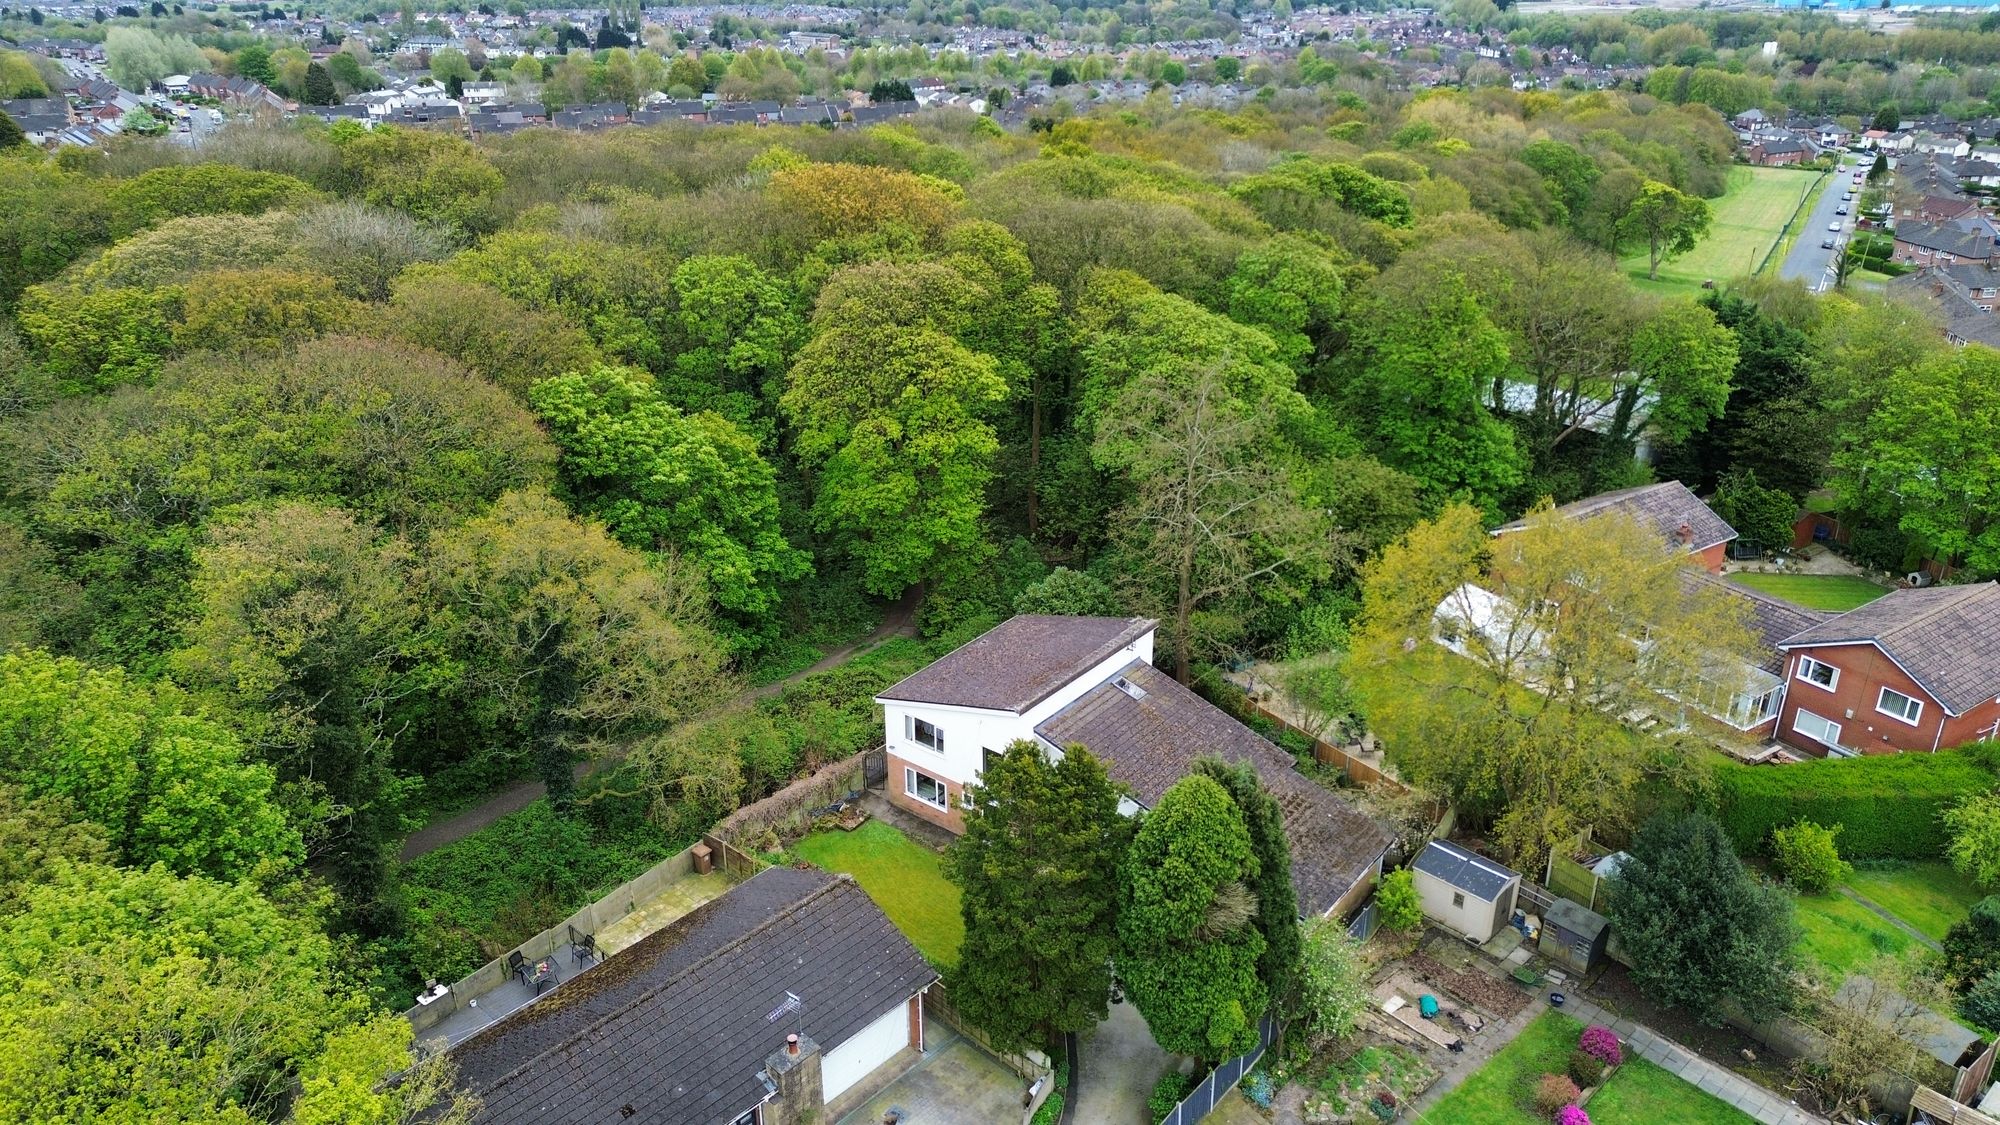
1816 728
749 1118
926 788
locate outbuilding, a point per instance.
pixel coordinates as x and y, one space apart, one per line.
1463 891
1573 936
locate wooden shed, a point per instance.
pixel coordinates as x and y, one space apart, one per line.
1464 891
1573 936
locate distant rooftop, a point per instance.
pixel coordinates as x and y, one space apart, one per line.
1019 662
1665 507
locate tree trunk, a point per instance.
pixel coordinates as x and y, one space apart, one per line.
1653 274
1183 613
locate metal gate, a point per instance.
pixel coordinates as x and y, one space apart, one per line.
1222 1079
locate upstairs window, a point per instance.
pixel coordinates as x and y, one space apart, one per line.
923 733
1818 673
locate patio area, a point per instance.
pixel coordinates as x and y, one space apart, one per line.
565 964
953 1083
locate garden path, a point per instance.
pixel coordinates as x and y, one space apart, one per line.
1689 1067
899 621
1914 932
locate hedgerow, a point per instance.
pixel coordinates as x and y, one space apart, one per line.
1887 806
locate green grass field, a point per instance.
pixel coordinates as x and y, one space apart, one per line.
1930 896
1842 935
1749 217
1836 593
903 877
1639 1093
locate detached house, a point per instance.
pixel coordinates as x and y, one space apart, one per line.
1090 681
1669 507
1916 669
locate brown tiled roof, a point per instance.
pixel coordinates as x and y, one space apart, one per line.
1773 620
676 1026
1150 741
1019 662
1663 507
1943 636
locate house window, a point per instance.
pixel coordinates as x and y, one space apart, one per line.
749 1117
926 788
1816 728
987 757
1457 900
923 733
1818 673
1899 706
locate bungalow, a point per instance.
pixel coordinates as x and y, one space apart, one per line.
42 119
788 994
1915 669
1669 508
1089 681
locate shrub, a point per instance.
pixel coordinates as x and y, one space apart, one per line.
1397 899
1553 1092
1809 857
1383 1105
1167 1093
1260 1088
1585 1069
1981 1005
1888 806
1972 944
1601 1043
1572 1115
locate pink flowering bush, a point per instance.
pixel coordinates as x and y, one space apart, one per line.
1572 1115
1599 1043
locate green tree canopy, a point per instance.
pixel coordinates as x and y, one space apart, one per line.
1037 867
1188 945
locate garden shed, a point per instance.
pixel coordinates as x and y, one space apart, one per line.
1573 936
1463 891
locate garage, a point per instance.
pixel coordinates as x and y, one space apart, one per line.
867 1049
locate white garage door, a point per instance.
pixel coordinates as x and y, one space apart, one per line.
871 1047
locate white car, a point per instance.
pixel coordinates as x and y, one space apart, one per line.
1833 226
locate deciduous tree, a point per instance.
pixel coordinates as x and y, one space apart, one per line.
1666 221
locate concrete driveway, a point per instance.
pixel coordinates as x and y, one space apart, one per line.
1117 1064
955 1083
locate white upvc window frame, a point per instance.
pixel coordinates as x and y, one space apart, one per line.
1817 736
1881 697
914 728
1806 662
942 802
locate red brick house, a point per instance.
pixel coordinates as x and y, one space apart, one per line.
1916 669
1668 507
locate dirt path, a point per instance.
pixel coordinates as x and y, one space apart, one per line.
900 620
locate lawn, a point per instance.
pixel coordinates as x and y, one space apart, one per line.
1930 896
903 877
1749 217
1841 934
1836 593
1639 1093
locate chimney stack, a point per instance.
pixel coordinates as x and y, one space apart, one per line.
798 1095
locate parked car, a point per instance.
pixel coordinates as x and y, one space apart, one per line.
1840 210
1833 226
1826 243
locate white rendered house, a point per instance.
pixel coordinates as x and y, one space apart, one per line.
1090 681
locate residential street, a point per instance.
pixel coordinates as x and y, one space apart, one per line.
1808 261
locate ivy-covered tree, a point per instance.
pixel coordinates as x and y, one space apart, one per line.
1277 900
1188 940
1037 868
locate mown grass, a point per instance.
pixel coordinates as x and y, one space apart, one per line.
1929 896
904 878
1637 1093
1835 593
1841 935
1749 217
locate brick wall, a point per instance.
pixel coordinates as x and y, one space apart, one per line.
947 818
1864 671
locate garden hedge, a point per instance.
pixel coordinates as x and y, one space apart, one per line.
1888 805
